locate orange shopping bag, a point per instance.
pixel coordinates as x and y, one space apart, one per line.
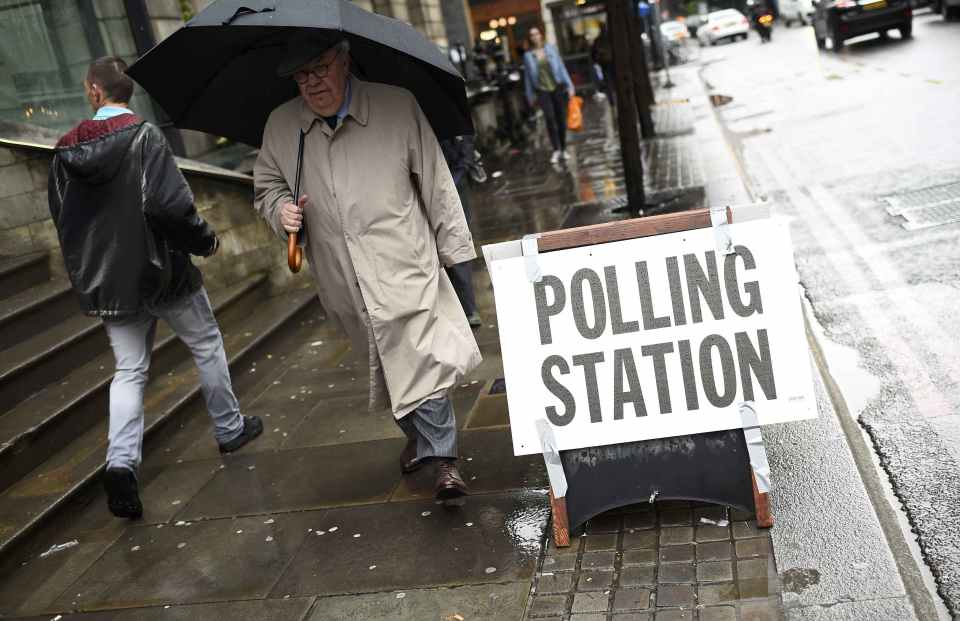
574 114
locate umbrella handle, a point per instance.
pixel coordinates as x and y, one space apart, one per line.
294 253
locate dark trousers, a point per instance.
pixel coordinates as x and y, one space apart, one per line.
554 106
461 274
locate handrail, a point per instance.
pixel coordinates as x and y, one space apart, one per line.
187 165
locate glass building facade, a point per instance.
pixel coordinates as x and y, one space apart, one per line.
44 53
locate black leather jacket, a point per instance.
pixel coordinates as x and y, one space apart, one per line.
125 217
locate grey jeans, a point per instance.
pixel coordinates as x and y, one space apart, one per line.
433 427
131 338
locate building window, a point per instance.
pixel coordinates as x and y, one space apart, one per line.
45 50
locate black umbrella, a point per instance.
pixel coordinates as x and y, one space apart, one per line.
218 73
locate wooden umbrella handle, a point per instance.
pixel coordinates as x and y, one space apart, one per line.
294 253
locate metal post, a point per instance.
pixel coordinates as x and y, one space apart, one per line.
641 74
139 19
663 50
617 17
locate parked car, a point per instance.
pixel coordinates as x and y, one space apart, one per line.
800 11
840 20
674 32
950 9
726 24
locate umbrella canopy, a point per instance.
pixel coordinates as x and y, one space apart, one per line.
218 73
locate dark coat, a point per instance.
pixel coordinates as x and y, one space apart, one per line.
125 217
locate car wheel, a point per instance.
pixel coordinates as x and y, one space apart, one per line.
906 31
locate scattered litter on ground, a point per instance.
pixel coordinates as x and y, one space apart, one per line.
497 174
181 545
175 502
251 467
316 344
356 535
180 523
490 570
321 532
401 595
723 523
425 513
469 524
654 495
240 532
333 529
268 539
372 567
704 520
135 549
270 521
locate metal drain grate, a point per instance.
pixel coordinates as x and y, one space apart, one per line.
934 215
928 207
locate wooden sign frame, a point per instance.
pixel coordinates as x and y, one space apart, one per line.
696 464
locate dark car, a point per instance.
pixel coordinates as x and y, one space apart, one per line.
840 20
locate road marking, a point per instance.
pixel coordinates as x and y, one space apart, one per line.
835 229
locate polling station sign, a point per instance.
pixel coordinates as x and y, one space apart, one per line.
652 337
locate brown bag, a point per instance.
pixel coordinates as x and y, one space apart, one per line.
575 114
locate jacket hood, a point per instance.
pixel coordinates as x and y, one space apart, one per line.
93 151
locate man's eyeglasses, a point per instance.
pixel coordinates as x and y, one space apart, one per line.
317 71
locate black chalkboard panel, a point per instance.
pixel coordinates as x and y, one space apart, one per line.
708 467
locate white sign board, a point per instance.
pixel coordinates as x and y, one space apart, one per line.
652 337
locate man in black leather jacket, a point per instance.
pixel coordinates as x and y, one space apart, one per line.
127 227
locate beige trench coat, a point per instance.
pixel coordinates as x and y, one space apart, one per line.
382 214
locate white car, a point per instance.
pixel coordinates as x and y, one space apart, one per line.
797 11
674 32
725 24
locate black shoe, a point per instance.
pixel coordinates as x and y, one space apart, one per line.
474 320
122 497
450 488
252 427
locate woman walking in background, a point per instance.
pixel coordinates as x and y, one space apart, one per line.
548 86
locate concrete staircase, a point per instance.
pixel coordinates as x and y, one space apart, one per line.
55 373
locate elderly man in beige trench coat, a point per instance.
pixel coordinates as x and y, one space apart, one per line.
379 212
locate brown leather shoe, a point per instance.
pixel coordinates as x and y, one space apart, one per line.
408 458
450 485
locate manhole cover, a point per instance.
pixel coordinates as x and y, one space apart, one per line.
927 207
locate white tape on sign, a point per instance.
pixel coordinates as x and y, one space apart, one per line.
530 251
721 230
755 447
551 456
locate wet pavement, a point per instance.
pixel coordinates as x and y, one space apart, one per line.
857 149
315 521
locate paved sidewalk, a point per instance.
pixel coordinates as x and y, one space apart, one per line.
314 520
671 560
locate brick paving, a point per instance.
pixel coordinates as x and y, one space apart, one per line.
669 561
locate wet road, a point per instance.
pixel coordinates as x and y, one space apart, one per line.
860 149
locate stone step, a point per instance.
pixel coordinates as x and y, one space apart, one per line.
20 273
37 427
37 496
46 358
35 310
